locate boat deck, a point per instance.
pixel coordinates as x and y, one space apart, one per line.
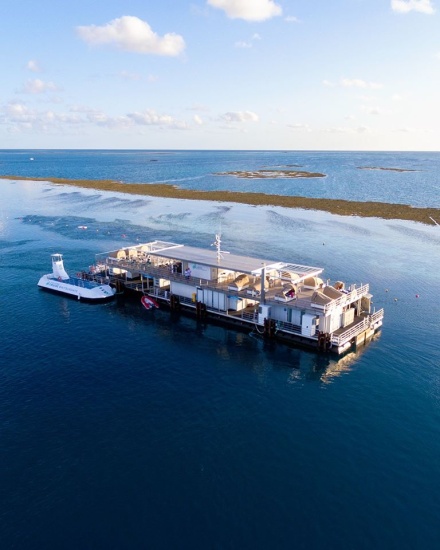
303 298
80 282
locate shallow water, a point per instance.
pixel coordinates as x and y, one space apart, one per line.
123 428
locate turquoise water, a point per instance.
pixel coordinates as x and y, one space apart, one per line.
123 428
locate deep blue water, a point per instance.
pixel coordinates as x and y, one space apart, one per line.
122 428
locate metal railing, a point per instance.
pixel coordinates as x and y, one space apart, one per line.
376 316
352 332
289 327
348 298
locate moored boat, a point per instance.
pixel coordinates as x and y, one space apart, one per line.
78 287
148 302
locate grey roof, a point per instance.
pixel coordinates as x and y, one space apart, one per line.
227 261
234 262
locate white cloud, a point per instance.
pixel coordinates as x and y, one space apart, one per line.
353 83
18 117
37 86
131 34
291 19
249 10
339 130
367 98
127 75
151 118
199 107
242 44
374 110
405 6
16 110
33 66
240 116
347 130
247 44
358 83
299 126
198 120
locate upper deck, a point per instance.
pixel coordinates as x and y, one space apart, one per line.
159 252
158 259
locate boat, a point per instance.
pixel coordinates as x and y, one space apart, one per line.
281 300
148 302
81 286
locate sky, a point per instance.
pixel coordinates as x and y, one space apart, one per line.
220 74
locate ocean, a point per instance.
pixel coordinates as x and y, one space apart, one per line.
126 428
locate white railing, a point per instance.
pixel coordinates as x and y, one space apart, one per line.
351 332
249 316
348 298
289 327
367 322
376 316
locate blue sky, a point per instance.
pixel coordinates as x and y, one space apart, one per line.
220 74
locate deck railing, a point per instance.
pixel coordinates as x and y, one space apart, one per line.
352 332
289 327
376 316
158 272
348 298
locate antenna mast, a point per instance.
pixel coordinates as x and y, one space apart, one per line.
217 243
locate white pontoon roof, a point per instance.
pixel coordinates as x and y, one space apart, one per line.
227 261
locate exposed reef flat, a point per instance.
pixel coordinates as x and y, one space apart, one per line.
272 174
387 169
334 206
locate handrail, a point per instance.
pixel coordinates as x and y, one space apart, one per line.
351 332
367 322
289 327
376 316
348 298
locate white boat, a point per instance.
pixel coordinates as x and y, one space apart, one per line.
79 287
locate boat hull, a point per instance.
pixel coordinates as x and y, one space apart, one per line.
149 302
77 288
